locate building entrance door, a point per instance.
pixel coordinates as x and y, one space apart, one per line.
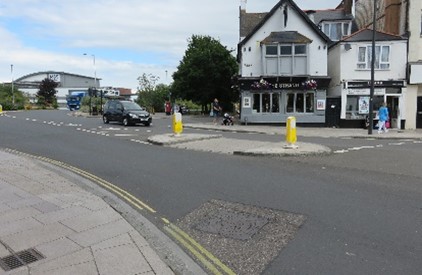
419 113
332 112
394 112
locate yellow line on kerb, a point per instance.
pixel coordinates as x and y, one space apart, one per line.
196 248
197 254
203 255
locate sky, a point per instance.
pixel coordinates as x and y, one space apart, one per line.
116 40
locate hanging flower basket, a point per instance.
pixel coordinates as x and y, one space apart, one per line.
261 85
310 84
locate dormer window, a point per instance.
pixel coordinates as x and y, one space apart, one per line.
336 30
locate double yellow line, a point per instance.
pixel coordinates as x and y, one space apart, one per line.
204 256
214 265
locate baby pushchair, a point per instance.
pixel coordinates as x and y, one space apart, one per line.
227 119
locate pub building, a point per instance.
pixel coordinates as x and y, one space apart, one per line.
283 60
273 100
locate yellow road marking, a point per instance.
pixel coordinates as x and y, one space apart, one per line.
122 193
197 254
183 238
216 261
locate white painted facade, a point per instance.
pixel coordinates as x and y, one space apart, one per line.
348 80
252 51
287 94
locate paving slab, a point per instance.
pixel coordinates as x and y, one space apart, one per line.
58 248
89 220
123 259
36 235
101 233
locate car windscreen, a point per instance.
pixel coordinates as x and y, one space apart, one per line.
132 106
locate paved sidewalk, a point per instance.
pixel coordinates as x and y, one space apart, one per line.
75 231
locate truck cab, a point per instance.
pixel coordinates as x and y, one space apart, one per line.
74 100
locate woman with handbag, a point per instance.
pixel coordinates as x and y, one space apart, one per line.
383 118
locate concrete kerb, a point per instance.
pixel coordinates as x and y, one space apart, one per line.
313 132
169 139
303 149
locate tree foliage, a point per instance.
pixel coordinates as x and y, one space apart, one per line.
46 95
6 98
150 94
205 72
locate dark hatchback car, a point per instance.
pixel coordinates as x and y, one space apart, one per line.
126 112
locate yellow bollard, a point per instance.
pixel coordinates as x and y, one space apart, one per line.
291 132
1 109
177 124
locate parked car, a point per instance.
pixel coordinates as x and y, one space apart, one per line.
126 112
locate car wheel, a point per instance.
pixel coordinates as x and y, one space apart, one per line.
105 120
126 122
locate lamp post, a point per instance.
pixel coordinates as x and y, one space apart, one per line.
13 92
371 93
95 69
95 82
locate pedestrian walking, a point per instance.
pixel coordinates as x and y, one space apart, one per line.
383 118
215 110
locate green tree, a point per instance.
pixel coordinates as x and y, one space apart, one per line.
7 97
205 73
150 94
46 95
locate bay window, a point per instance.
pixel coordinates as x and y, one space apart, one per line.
286 59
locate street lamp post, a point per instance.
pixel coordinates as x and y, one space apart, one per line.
371 93
13 92
95 82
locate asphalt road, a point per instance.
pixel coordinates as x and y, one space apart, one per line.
363 208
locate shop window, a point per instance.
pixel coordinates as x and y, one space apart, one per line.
310 102
275 103
256 103
382 57
266 103
357 107
300 102
290 103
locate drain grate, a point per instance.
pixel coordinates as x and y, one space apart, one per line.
20 259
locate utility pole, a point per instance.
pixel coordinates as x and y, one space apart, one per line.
13 91
371 93
95 82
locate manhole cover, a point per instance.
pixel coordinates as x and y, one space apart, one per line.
229 224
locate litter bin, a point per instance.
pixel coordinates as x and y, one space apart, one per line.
94 111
